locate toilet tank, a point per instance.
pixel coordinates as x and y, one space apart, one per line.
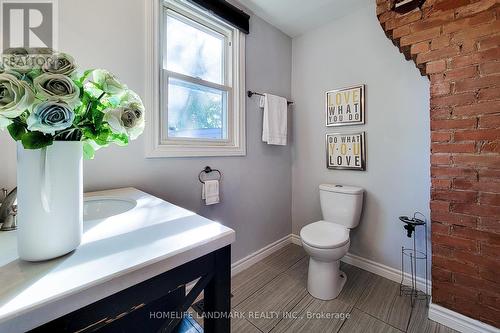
341 204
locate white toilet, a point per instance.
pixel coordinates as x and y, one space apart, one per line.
327 241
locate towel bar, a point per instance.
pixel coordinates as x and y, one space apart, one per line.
251 93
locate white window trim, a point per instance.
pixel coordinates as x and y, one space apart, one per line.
182 148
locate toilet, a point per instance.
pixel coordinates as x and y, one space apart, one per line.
327 241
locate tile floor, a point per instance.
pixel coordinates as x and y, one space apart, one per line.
277 286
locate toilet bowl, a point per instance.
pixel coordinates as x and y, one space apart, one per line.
327 241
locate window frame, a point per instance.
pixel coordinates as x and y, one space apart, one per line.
158 144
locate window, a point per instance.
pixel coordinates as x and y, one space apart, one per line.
200 68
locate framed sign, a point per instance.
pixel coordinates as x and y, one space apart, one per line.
345 151
345 106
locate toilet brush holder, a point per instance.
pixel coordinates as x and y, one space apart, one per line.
413 257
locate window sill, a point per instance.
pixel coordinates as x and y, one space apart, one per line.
161 151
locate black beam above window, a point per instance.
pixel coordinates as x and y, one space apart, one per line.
226 12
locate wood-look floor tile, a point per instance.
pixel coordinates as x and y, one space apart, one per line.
266 307
360 322
381 299
419 322
358 281
241 325
315 316
285 257
250 281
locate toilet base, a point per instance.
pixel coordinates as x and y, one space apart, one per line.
325 280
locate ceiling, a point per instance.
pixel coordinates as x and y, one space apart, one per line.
294 17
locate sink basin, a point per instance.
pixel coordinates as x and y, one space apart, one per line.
97 208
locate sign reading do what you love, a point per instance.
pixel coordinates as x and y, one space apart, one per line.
345 151
345 107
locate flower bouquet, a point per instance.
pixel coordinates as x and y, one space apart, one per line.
54 102
59 115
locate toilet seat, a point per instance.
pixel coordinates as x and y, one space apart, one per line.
324 235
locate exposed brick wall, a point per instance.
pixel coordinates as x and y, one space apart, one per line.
456 44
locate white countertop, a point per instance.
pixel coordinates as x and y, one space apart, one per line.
116 253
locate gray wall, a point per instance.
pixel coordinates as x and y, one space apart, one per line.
348 51
256 189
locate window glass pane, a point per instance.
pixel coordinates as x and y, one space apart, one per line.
196 111
194 52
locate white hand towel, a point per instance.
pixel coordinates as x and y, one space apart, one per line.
274 126
210 192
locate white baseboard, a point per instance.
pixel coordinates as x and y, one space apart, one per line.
458 321
258 255
374 267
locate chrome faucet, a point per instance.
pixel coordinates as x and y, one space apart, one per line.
8 211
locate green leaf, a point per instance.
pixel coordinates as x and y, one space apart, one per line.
120 139
16 130
88 151
86 75
36 140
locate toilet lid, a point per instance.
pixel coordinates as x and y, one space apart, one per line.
324 235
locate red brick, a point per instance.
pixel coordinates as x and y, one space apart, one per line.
440 184
451 172
406 19
474 84
474 8
438 54
453 100
485 185
489 42
450 4
440 42
477 160
437 205
453 148
401 31
453 124
477 109
489 94
438 250
454 265
431 22
439 228
440 113
489 224
490 68
489 121
420 36
476 283
490 199
490 250
475 33
437 66
489 173
476 210
475 58
443 88
419 48
442 275
455 242
455 196
461 73
441 159
468 22
490 147
478 134
440 136
479 260
489 299
454 218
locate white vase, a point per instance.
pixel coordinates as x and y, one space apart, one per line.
49 200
